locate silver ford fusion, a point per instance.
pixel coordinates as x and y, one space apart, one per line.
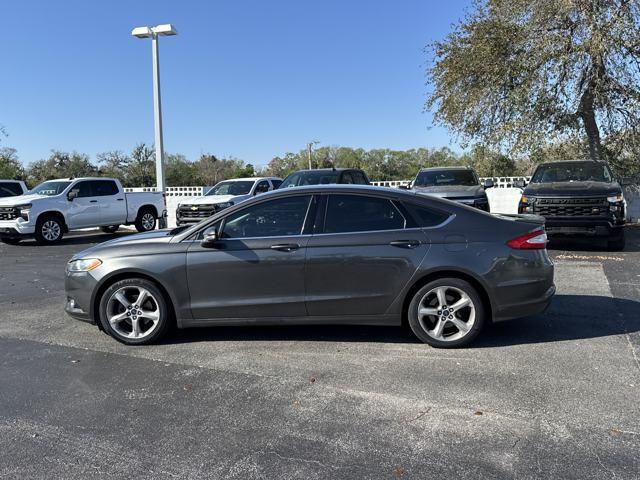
331 254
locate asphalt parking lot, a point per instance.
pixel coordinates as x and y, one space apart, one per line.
551 396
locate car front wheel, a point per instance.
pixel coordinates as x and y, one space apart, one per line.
446 313
49 230
134 312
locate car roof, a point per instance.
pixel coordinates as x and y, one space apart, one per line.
341 169
249 179
340 188
70 179
569 162
453 167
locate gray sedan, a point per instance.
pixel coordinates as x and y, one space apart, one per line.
332 254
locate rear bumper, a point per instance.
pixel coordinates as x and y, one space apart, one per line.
525 309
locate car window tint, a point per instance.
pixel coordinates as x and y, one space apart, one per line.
359 213
347 178
262 187
10 189
426 217
275 218
105 187
276 183
85 189
359 178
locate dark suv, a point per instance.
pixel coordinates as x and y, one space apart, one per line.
326 176
577 198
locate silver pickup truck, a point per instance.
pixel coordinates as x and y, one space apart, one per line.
58 206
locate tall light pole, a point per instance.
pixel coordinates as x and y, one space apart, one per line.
153 33
309 147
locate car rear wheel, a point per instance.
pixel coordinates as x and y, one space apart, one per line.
146 220
110 229
134 312
49 230
447 313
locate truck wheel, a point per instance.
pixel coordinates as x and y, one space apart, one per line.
49 230
10 241
146 220
616 243
110 229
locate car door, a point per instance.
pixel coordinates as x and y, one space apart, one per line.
84 210
366 253
113 207
256 269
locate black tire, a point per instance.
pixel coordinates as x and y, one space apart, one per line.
143 222
110 229
49 230
617 243
165 316
10 241
449 338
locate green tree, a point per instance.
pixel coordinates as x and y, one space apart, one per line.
180 172
114 164
141 170
10 166
516 72
60 165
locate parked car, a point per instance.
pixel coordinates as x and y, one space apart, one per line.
12 188
460 184
332 254
58 206
577 198
325 176
223 195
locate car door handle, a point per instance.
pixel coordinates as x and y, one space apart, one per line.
93 201
405 243
120 199
285 247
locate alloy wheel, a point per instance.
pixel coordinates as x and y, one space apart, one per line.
148 221
51 230
446 313
133 312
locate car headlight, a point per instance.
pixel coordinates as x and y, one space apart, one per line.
24 210
615 198
83 264
525 205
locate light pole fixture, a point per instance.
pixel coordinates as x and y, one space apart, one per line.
153 33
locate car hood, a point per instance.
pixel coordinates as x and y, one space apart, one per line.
162 236
20 200
452 191
573 189
213 199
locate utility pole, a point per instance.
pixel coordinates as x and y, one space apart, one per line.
309 147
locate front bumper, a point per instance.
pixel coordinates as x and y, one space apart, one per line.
79 287
593 227
16 228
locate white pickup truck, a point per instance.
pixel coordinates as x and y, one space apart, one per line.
58 206
223 195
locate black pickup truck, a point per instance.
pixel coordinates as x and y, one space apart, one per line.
577 198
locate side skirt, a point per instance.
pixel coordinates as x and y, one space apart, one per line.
392 319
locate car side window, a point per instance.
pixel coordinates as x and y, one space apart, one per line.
347 178
84 189
274 218
426 217
276 183
262 187
359 213
104 188
358 178
10 189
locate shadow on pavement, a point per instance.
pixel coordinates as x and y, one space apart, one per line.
594 244
91 238
570 317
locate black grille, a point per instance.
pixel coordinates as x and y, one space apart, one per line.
571 207
8 213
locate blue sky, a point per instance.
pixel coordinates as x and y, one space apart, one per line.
252 79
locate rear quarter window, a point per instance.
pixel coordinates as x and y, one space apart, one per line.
425 216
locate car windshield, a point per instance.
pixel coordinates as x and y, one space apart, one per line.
231 188
50 188
572 172
434 178
313 177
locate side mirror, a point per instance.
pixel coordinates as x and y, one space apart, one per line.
403 187
210 239
72 194
519 184
488 183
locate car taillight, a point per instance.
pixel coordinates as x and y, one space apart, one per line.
528 241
